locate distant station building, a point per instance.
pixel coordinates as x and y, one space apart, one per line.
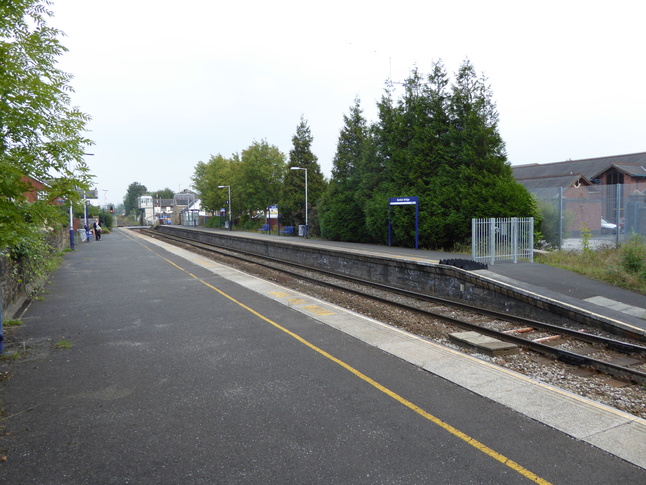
146 210
155 210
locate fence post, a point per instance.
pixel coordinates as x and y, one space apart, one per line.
514 238
530 232
618 213
560 217
492 240
474 239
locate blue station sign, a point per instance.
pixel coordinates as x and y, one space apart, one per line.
403 200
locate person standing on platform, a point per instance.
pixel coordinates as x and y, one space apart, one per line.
97 230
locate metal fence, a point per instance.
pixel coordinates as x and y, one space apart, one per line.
502 239
597 215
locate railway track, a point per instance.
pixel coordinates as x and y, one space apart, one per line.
619 358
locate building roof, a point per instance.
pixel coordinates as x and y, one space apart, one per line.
195 205
183 198
565 174
632 170
555 181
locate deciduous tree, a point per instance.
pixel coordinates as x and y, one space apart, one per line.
166 193
208 176
41 133
261 172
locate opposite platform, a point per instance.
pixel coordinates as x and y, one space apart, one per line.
530 289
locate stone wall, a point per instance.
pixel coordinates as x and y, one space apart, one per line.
15 280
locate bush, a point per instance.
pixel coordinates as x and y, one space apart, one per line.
633 255
624 267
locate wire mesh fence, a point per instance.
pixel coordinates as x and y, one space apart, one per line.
596 215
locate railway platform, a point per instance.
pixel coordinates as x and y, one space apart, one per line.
620 307
144 363
625 307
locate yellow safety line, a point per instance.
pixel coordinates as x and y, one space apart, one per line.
454 431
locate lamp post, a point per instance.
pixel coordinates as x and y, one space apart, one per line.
230 216
71 226
105 202
306 224
85 203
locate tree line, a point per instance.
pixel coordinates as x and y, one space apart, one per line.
260 177
435 138
41 133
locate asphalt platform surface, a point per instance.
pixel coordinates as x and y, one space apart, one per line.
145 364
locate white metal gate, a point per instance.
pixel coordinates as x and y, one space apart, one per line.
502 239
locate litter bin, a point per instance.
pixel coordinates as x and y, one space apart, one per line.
301 231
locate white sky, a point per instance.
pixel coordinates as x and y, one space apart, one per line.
169 83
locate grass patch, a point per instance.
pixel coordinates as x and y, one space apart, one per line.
11 323
12 355
63 344
624 267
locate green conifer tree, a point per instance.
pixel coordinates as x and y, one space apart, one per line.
341 213
292 205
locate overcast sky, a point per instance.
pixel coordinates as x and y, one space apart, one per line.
170 83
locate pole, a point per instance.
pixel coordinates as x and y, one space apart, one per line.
560 223
71 227
230 211
618 213
474 239
416 225
306 210
492 240
1 324
389 229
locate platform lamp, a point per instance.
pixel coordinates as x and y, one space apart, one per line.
72 215
306 225
71 225
230 213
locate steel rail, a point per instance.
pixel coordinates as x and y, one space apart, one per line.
613 344
561 355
